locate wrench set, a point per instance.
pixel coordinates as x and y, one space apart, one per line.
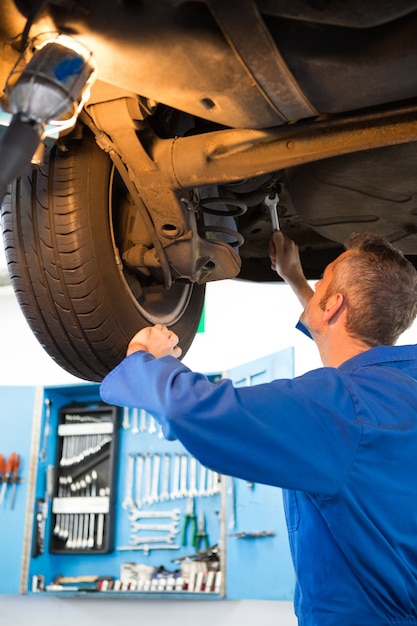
155 477
162 477
84 494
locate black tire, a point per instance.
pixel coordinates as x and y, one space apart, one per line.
83 306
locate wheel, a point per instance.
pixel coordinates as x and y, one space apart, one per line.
61 225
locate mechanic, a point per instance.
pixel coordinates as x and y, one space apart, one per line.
341 440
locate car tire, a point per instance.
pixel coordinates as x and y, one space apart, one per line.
82 304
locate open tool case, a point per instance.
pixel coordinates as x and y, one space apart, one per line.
83 504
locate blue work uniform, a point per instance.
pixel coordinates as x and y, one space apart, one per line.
341 442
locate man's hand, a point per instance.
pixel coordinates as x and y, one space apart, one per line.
285 260
157 340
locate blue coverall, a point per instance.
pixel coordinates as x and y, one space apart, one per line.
341 442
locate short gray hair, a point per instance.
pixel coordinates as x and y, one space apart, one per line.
380 287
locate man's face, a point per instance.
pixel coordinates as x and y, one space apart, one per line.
312 316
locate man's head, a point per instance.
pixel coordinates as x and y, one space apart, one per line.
380 289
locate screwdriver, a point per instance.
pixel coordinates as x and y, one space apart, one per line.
14 464
11 470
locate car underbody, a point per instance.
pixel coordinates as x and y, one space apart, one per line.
200 112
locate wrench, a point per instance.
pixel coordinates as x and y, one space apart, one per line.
147 548
175 486
171 528
128 501
155 478
148 480
183 480
152 425
139 479
271 201
142 422
202 491
135 541
135 421
192 490
165 479
125 421
93 492
136 514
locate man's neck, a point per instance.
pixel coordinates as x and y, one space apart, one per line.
335 352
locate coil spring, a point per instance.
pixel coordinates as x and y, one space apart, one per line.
235 209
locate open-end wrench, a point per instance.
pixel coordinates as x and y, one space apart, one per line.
202 490
209 489
128 500
125 421
136 514
135 422
135 541
139 480
155 477
171 528
152 425
271 202
183 479
100 520
175 486
146 548
64 532
143 426
93 492
192 489
165 478
147 499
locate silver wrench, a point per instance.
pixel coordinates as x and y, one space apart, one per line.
135 541
155 477
136 514
165 478
171 528
271 202
143 427
128 501
152 425
183 480
202 490
146 548
125 421
135 421
148 480
192 490
139 480
175 486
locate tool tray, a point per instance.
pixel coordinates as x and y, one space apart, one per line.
83 504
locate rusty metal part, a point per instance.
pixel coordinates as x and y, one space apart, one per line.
171 225
231 155
164 167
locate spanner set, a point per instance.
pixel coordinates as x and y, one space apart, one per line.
84 495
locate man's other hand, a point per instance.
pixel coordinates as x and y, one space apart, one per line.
158 340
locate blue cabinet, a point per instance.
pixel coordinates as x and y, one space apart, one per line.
244 522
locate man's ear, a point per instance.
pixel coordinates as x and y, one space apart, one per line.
334 305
